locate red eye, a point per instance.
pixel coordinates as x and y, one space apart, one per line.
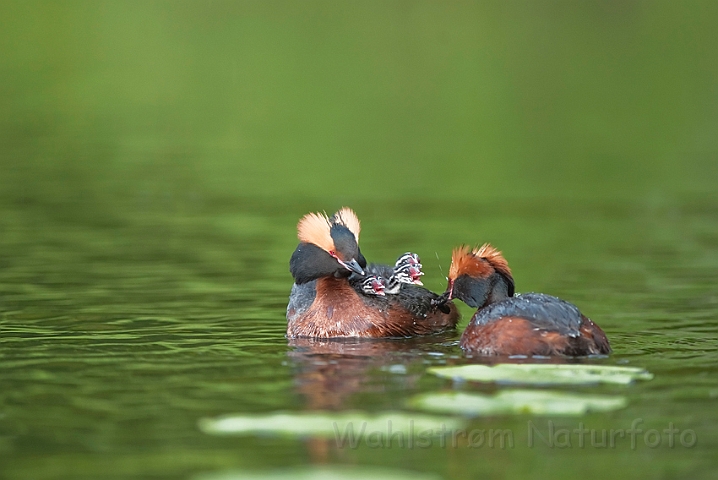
331 252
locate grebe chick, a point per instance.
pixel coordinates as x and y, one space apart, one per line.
408 274
406 269
408 263
372 285
504 324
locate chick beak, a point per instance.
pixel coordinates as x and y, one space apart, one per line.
416 274
352 265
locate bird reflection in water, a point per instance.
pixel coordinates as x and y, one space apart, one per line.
361 374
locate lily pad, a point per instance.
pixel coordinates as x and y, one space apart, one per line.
321 473
517 402
544 374
348 425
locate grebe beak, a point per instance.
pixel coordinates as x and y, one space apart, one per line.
440 302
352 265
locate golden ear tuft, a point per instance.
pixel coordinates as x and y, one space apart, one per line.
349 219
462 260
314 228
477 262
495 258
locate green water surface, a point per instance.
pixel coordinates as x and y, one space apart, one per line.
155 157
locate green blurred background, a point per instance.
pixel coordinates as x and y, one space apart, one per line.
389 99
155 157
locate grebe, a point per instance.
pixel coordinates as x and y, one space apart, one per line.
324 303
526 324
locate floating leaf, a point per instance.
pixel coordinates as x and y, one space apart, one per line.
326 424
321 473
517 402
544 374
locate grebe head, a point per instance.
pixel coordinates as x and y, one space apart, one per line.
409 274
406 274
410 265
330 246
373 285
479 276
